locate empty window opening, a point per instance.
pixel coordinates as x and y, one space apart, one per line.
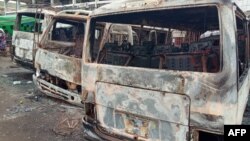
186 39
65 37
242 46
30 22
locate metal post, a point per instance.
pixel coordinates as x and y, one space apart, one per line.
52 3
33 1
18 4
96 3
5 6
73 2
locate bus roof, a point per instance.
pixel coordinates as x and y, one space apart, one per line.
73 14
128 6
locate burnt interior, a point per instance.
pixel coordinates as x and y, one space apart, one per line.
197 48
65 37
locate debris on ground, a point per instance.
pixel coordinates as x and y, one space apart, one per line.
67 125
17 82
27 112
21 82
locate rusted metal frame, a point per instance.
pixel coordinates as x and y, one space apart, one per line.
71 17
61 43
34 38
102 57
103 40
61 16
141 10
46 33
39 23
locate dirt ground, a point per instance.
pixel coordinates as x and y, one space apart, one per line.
28 115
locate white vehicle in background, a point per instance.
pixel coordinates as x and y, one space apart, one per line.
30 25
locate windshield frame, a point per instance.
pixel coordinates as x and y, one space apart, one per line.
87 54
53 21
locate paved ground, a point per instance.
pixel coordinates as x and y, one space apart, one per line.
27 115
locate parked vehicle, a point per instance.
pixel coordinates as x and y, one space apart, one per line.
58 59
28 31
167 92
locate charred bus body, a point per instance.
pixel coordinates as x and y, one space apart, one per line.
165 93
30 24
59 55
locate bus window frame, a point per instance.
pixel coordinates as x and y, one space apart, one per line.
88 55
241 78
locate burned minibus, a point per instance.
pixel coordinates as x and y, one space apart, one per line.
30 24
165 92
59 54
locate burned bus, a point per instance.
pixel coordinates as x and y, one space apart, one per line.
165 92
59 54
30 24
58 59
